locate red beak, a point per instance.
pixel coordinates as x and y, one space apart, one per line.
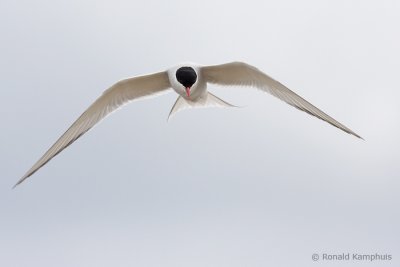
188 91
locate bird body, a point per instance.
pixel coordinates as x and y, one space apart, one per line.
190 82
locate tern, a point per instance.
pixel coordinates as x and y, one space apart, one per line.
190 82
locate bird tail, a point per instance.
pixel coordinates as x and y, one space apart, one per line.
208 100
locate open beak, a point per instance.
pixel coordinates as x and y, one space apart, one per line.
188 92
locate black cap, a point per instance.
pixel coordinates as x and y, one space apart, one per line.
186 76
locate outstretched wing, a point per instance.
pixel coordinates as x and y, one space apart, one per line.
113 98
242 74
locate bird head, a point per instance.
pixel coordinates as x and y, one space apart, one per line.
186 76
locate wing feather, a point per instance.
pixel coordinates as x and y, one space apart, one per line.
242 74
119 94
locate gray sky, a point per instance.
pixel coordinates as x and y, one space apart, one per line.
263 185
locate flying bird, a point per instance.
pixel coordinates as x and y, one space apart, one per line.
190 82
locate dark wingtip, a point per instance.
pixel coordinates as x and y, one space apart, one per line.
356 135
20 181
15 185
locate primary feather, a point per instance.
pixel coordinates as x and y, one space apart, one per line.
242 74
113 98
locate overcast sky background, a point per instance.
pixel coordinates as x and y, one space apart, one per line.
263 185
